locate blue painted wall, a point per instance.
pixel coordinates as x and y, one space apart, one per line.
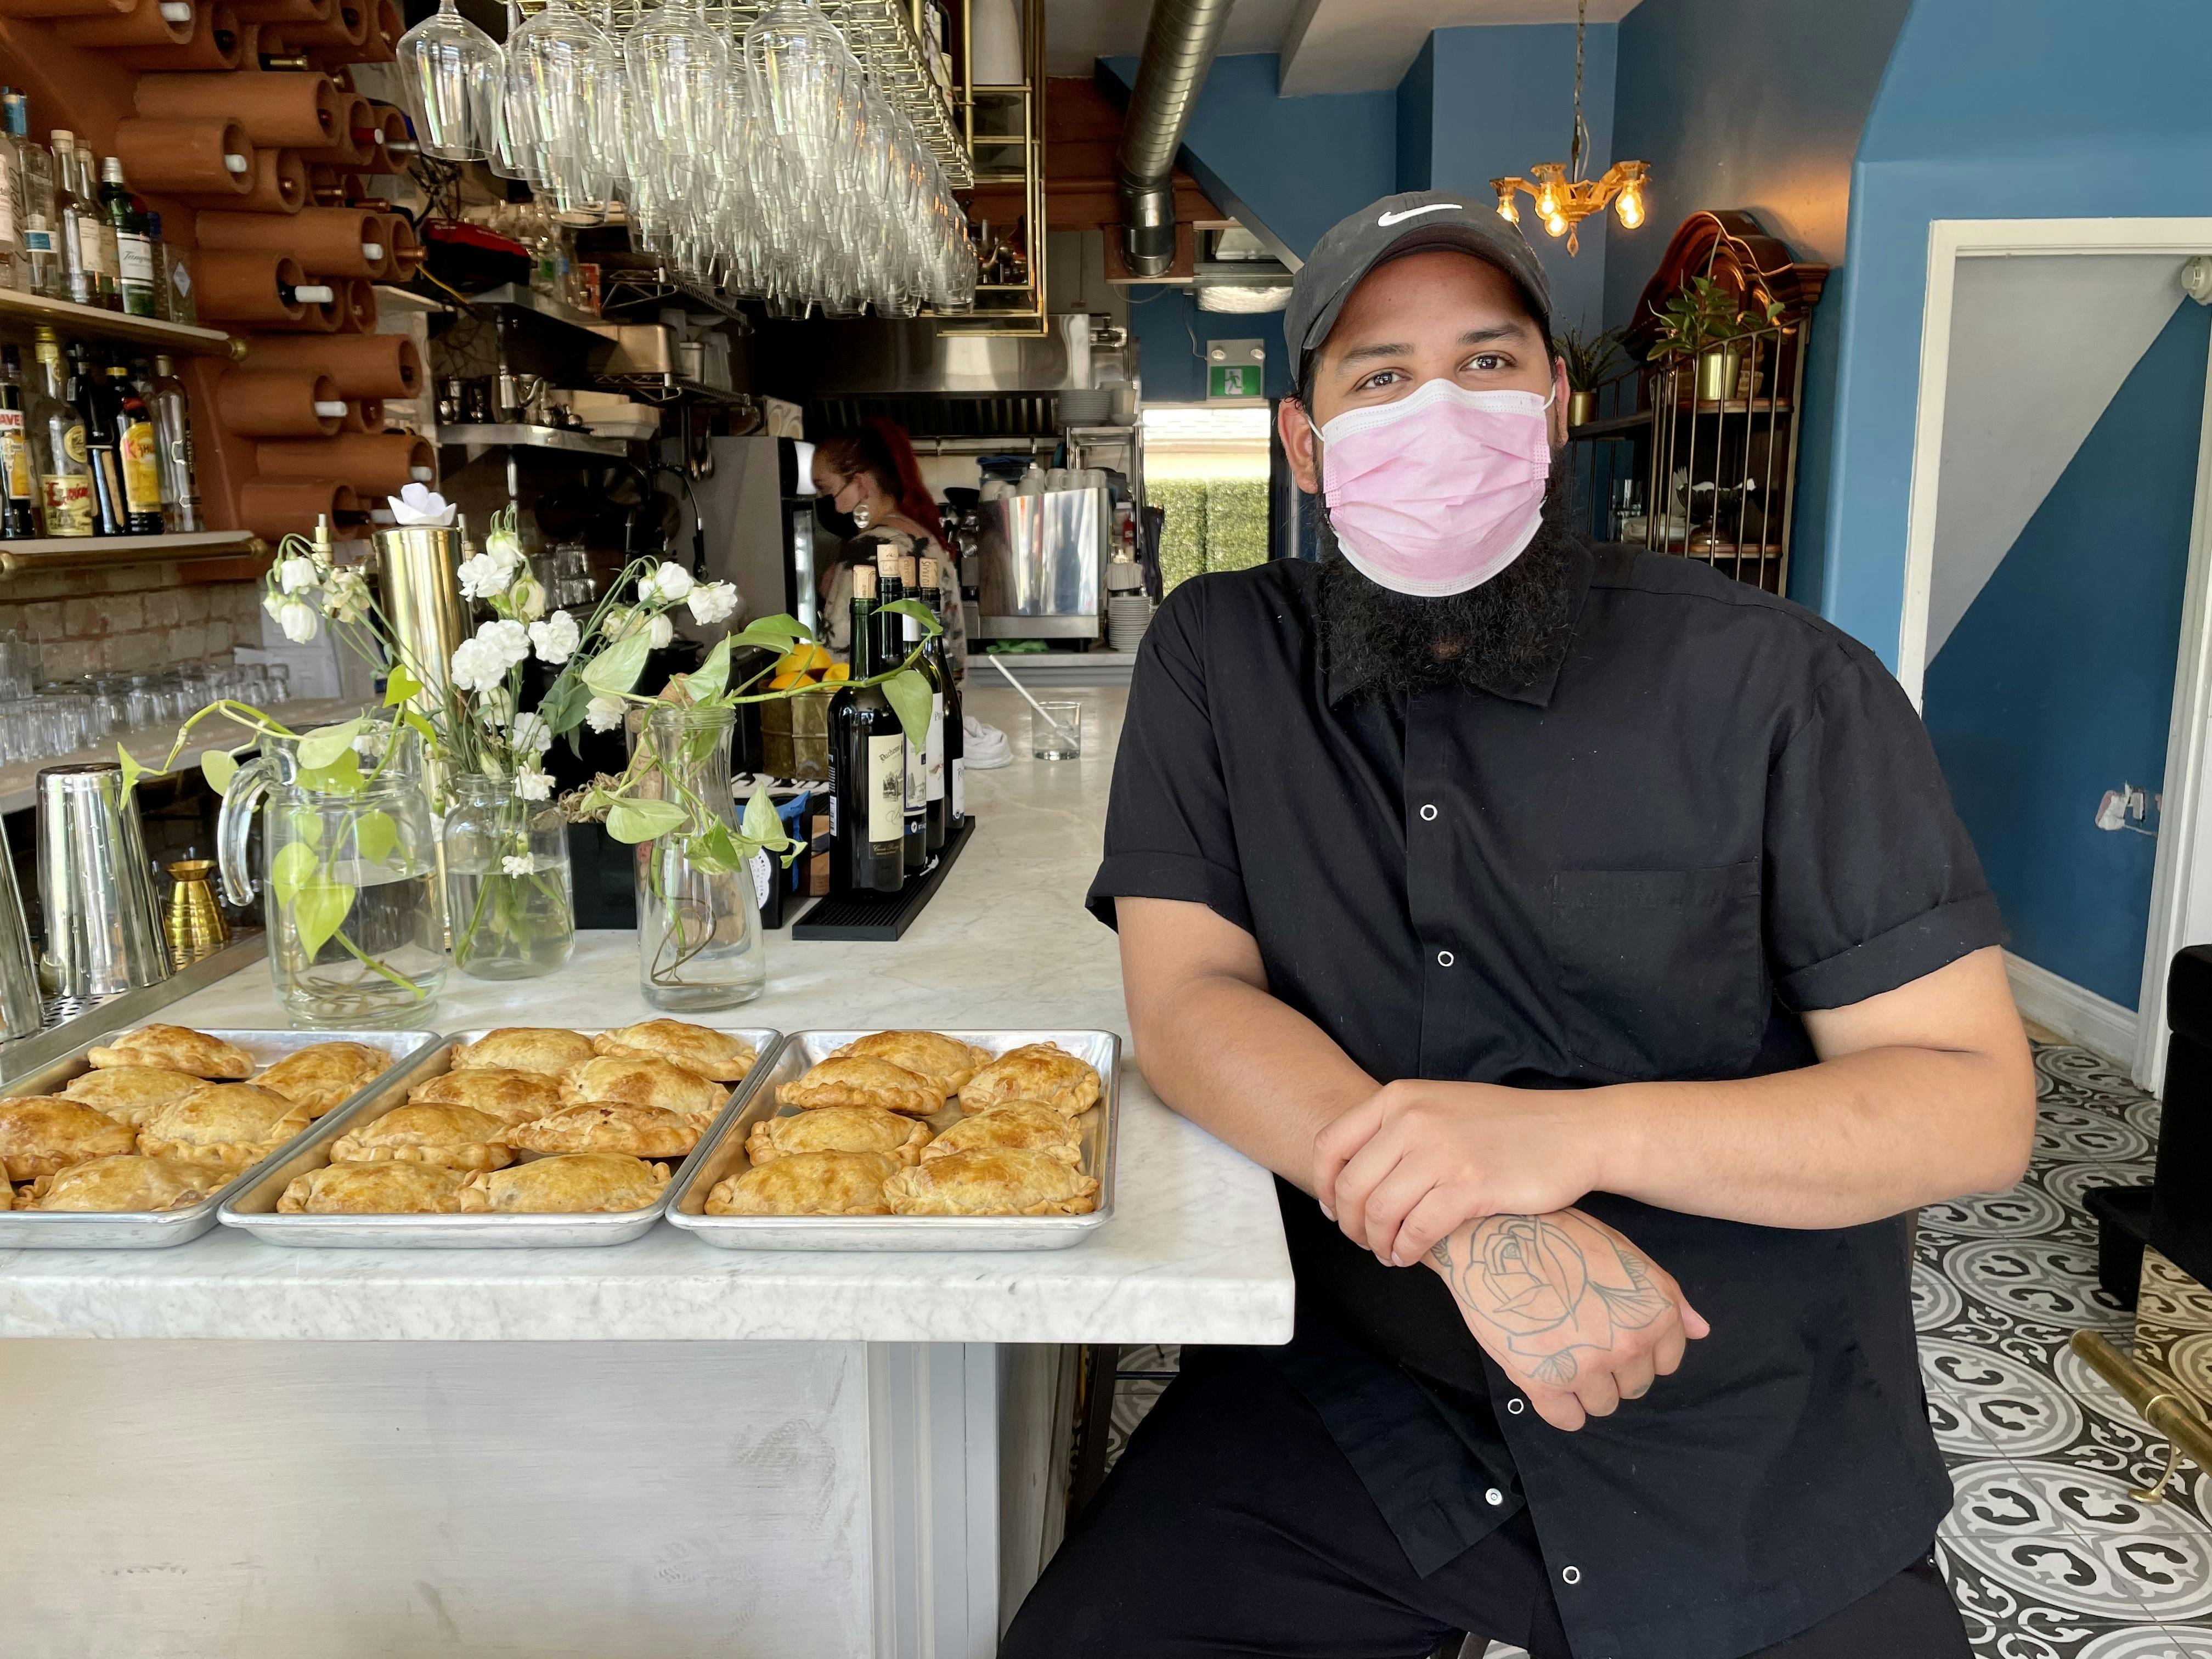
2057 684
1164 320
2064 111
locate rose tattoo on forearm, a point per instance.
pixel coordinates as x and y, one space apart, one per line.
1549 1285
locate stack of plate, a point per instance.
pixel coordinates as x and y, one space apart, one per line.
1127 616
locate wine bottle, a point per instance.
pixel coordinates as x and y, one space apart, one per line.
57 433
892 636
172 433
19 516
134 252
956 734
868 793
137 451
933 669
87 393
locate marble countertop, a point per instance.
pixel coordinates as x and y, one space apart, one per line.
1194 1253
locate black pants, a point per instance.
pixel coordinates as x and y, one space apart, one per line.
1233 1525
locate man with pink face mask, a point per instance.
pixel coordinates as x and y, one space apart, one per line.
1587 943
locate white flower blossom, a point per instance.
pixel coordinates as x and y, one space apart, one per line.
557 638
660 631
300 621
485 577
604 714
476 667
668 584
509 641
296 575
527 595
504 545
619 622
531 733
515 867
496 708
714 602
273 603
533 786
345 596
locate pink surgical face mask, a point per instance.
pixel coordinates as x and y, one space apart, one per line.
1439 492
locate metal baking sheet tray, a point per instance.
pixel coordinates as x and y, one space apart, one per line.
140 1230
723 1153
253 1206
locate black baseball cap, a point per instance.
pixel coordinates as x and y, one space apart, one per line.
1413 222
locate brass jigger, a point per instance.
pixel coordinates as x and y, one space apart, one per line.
194 924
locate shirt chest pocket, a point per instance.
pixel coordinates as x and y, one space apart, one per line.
1662 973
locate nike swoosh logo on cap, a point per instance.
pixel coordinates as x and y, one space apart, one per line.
1410 213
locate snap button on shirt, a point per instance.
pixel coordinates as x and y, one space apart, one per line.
1571 1575
1429 813
1493 1497
1445 958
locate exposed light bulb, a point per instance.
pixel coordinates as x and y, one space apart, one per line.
1547 203
1629 209
1556 224
1506 210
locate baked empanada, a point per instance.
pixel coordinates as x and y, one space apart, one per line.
944 1060
373 1189
807 1184
226 1126
323 1076
132 1094
41 1136
450 1137
511 1097
860 1081
175 1049
619 1081
994 1182
1042 1072
540 1048
1017 1126
609 1127
714 1054
127 1181
838 1129
582 1182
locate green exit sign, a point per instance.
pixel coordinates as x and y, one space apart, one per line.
1235 370
1232 380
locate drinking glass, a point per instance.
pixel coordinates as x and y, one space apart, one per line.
1056 734
450 71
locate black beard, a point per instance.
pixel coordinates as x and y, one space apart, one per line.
1498 636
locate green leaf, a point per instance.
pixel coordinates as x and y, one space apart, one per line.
712 677
292 867
341 777
768 630
322 747
318 913
908 690
921 613
616 669
307 825
400 686
763 826
132 769
634 821
218 767
563 708
715 852
374 835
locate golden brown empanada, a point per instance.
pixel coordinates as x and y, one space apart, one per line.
714 1054
1017 1126
127 1181
175 1049
373 1189
609 1127
946 1061
450 1137
838 1129
860 1081
324 1075
807 1184
580 1184
511 1097
1042 1072
614 1081
132 1094
540 1048
38 1137
226 1126
998 1181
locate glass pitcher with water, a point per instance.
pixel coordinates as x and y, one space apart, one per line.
356 930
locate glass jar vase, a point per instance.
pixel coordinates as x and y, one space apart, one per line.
699 938
510 904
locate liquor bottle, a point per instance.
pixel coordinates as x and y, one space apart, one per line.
19 494
956 734
134 253
868 791
111 266
922 585
137 450
88 393
58 436
78 222
172 433
891 646
40 268
14 273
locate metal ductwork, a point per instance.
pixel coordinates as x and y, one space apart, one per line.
1179 47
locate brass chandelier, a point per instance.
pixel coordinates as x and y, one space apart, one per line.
1563 197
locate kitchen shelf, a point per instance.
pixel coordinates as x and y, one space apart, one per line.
1613 425
71 552
93 323
405 299
478 438
521 298
670 389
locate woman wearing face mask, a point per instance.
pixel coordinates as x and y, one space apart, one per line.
869 491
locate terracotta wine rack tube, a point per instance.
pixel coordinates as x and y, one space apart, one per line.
218 41
361 365
242 284
273 509
142 26
357 305
283 11
185 158
62 8
364 416
391 129
402 246
278 184
374 464
354 139
327 241
273 109
277 405
346 27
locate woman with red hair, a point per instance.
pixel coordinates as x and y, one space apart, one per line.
872 478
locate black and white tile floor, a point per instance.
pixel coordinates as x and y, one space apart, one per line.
2048 1556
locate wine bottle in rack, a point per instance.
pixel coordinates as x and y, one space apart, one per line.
891 650
956 734
923 587
868 788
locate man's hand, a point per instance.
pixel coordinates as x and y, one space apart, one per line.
1574 1313
1417 1159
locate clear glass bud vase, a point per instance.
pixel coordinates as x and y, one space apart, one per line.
510 906
699 940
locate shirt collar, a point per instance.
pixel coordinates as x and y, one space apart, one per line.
1339 682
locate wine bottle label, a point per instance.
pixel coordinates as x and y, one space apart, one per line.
69 503
142 473
959 786
7 202
15 457
886 786
38 235
74 446
933 754
135 254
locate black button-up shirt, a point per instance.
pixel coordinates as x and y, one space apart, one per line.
1711 813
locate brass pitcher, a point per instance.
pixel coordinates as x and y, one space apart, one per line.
194 924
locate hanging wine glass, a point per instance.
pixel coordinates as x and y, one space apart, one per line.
562 67
449 71
678 68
